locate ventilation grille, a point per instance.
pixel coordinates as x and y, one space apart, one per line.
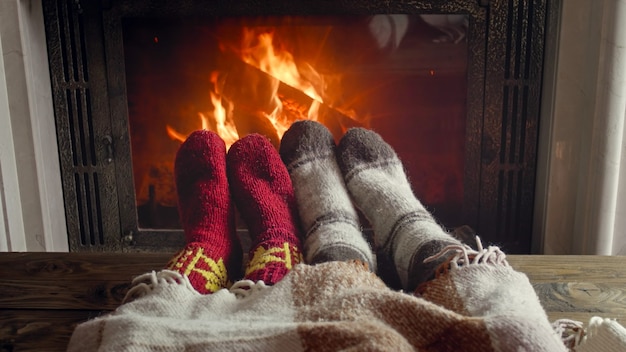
520 90
77 137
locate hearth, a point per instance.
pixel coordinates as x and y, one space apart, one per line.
260 75
454 86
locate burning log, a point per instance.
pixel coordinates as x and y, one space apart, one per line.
264 90
252 93
266 105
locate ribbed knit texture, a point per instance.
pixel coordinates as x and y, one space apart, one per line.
328 217
264 195
404 230
213 252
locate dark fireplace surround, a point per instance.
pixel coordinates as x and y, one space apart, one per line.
505 43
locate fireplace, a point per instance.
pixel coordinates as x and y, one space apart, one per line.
454 86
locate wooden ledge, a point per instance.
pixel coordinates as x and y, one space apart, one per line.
577 287
44 295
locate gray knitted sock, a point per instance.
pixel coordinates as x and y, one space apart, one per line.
326 212
403 228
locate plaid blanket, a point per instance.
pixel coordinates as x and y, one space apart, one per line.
328 307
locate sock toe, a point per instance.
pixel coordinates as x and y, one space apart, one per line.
260 185
404 230
328 217
212 254
204 201
198 159
263 193
360 147
305 138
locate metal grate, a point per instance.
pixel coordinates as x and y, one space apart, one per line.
87 202
521 76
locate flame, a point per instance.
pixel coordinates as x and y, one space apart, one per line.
216 120
258 50
278 64
224 126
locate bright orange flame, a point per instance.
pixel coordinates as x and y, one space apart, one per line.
223 124
175 135
259 51
216 120
278 64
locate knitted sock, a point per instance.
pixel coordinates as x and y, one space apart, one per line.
212 252
403 228
331 223
264 196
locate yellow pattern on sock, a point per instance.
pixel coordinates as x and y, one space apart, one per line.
215 272
176 263
262 257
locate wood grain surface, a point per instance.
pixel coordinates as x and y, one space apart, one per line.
39 330
577 287
44 295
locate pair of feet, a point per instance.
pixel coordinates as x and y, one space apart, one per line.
362 171
210 182
328 180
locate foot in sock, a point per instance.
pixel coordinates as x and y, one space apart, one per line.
403 228
263 193
213 252
328 217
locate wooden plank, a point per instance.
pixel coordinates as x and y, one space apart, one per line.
583 298
79 266
565 268
84 281
62 294
39 330
577 287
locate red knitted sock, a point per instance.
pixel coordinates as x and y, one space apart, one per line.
264 195
212 252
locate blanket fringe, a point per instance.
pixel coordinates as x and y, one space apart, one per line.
146 283
245 288
595 323
462 255
570 331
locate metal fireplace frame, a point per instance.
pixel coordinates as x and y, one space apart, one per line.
505 52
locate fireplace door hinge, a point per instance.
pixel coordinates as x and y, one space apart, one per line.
108 145
128 239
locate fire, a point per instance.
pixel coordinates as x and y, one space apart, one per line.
255 81
216 120
278 64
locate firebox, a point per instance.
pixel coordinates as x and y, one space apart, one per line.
453 86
